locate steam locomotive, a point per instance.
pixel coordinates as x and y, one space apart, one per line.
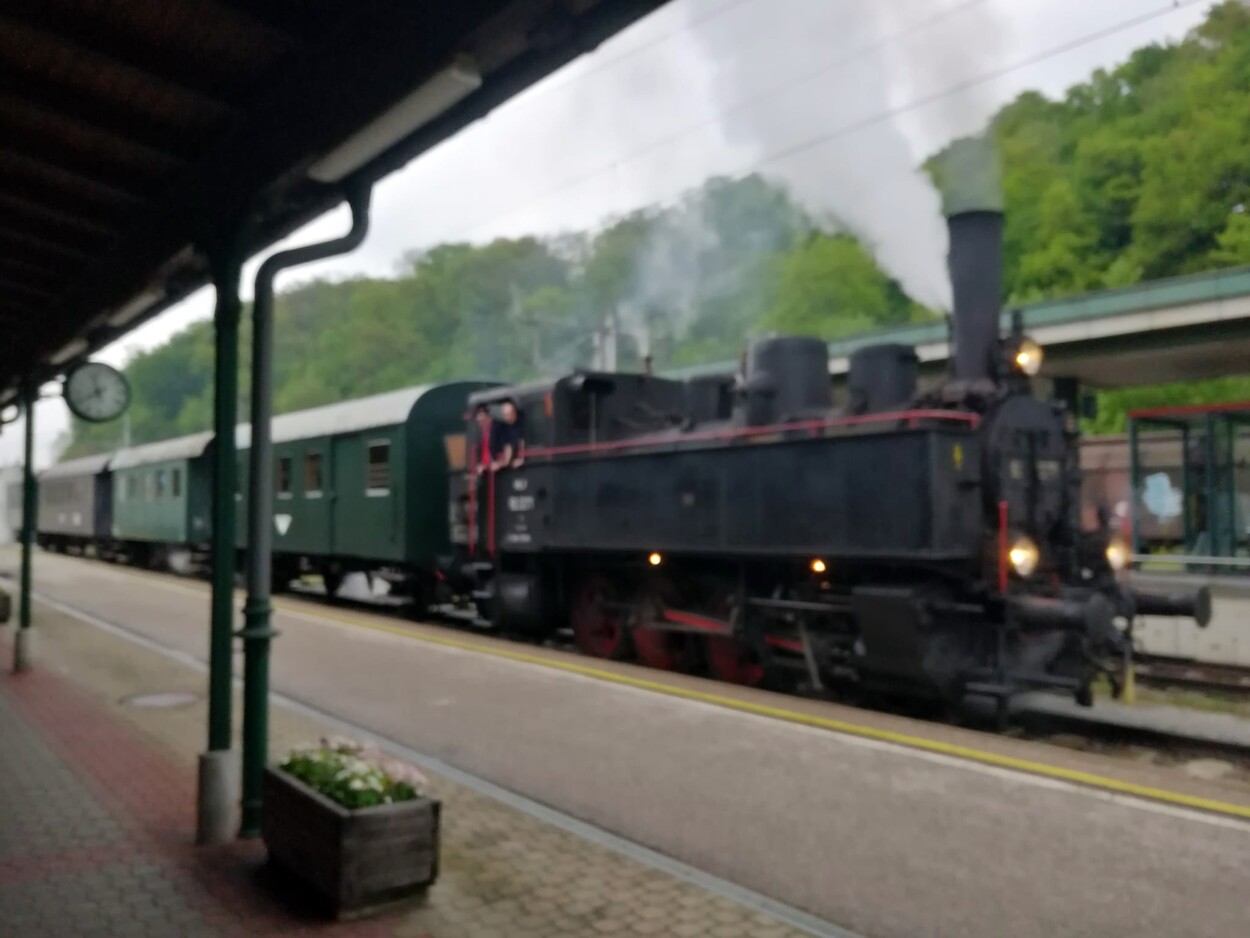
923 543
916 542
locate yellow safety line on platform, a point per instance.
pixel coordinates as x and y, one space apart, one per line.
1028 766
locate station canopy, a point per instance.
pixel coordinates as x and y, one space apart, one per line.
134 134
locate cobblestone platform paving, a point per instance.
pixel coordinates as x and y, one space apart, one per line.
94 835
97 808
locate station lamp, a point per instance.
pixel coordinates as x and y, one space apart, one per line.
431 100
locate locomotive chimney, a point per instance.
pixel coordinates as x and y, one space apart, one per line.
967 174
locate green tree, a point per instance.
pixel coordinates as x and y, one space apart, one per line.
830 286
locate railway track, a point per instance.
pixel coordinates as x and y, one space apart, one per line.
1165 671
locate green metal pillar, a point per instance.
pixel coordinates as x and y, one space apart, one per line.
1187 500
217 794
227 269
1212 459
1230 485
21 657
1134 482
257 632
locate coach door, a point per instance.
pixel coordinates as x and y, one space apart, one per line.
366 487
314 496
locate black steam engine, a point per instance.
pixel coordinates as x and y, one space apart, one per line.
917 543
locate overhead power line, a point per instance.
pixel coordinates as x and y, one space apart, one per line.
763 95
960 87
825 137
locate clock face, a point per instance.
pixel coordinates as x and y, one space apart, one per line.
97 392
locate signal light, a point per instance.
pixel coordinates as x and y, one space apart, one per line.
655 559
818 566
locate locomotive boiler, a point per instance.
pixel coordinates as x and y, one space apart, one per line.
923 543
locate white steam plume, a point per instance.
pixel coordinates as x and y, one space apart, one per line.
872 57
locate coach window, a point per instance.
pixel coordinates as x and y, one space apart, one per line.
175 483
160 483
132 487
378 472
284 477
312 475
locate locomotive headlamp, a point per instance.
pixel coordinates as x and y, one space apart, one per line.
1028 357
1023 556
1117 554
818 566
655 559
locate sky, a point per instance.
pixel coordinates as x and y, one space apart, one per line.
840 100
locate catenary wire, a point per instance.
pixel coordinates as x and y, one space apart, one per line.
846 129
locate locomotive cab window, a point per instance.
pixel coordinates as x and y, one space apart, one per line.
535 423
312 475
378 470
284 477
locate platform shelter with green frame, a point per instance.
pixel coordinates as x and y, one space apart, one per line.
1209 442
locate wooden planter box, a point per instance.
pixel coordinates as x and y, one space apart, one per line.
357 860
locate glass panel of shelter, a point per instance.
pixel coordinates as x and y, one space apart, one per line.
1192 464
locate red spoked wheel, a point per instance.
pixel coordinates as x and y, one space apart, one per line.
731 661
660 648
598 630
667 651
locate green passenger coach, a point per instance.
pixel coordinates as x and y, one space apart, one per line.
361 486
160 495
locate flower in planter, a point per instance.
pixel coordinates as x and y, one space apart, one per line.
354 775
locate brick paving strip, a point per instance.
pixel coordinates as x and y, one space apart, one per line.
97 814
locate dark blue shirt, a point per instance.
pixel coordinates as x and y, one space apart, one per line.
503 435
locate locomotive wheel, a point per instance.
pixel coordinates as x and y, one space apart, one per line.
598 631
729 660
658 648
666 651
